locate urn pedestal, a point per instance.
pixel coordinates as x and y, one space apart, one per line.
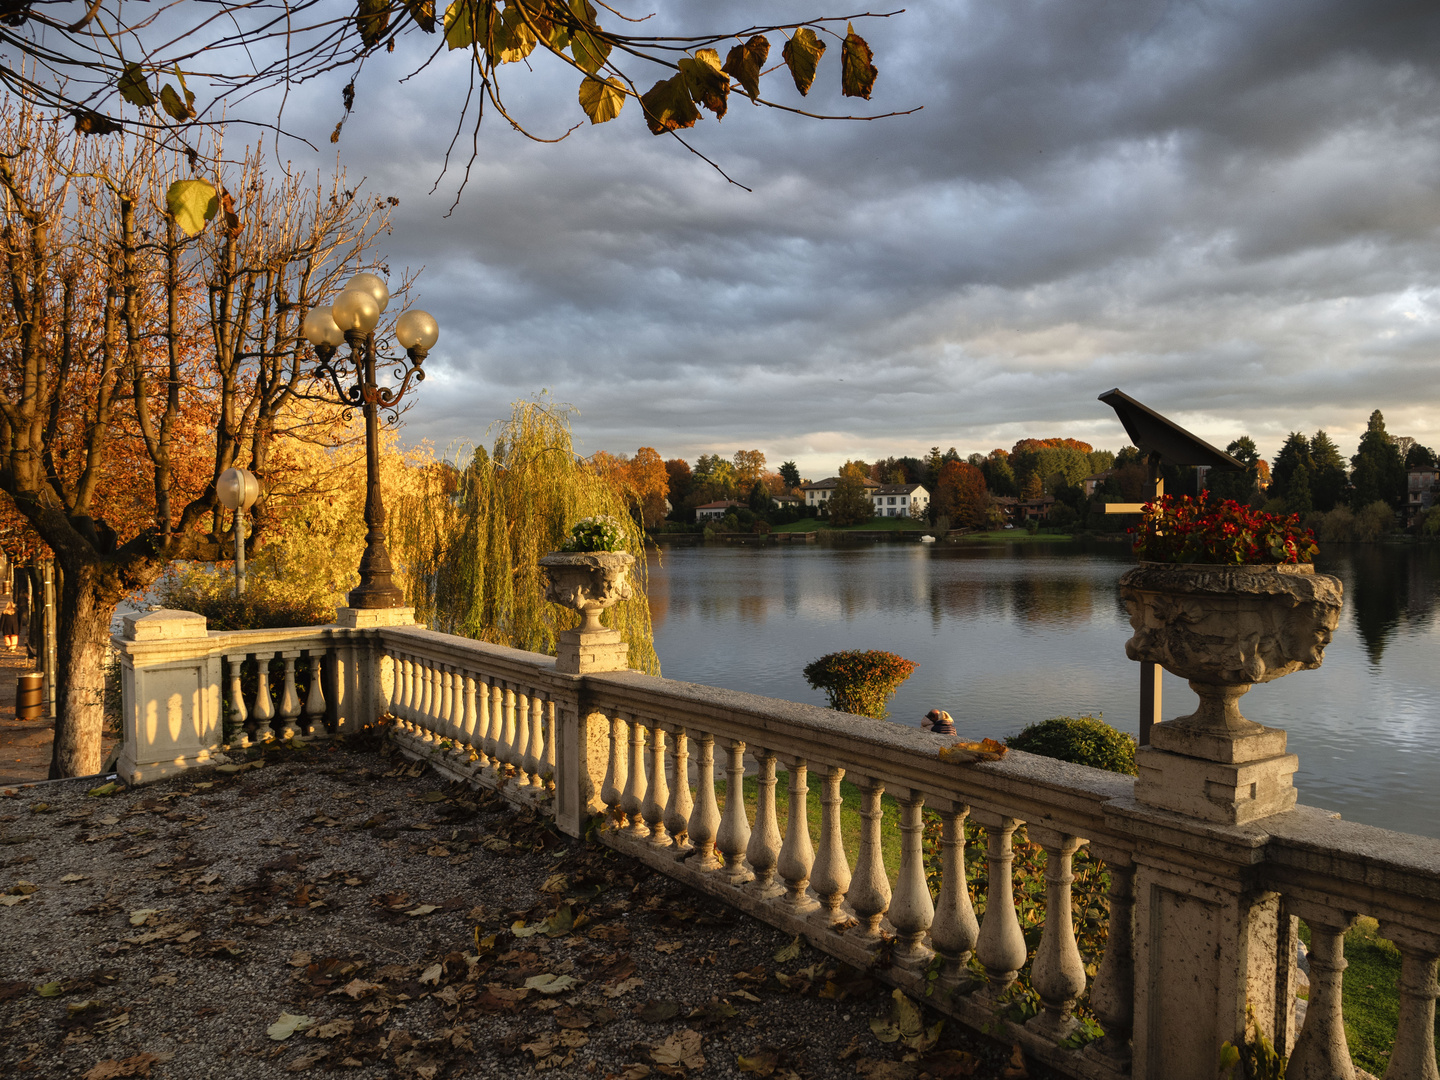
588 582
1224 628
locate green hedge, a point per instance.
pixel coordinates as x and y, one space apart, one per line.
1084 740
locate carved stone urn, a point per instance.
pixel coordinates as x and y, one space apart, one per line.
588 582
1225 628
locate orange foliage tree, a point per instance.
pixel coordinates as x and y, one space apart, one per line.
643 480
962 496
142 353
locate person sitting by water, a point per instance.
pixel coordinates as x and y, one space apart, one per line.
939 722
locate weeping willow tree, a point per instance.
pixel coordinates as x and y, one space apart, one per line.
470 539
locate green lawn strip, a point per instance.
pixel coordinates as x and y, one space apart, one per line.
873 525
1370 996
1013 536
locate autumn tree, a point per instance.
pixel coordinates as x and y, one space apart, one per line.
678 478
642 481
130 68
749 467
1055 461
961 495
851 504
141 354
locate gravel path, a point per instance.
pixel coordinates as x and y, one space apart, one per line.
341 911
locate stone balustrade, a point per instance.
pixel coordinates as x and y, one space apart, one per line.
1203 914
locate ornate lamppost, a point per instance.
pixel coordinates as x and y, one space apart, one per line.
352 320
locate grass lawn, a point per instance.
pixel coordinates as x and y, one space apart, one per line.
1014 536
885 524
1370 995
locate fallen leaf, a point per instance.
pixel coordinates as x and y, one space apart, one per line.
308 1059
669 947
423 909
657 1012
789 952
681 1048
11 901
1016 1070
357 988
762 1062
137 1065
139 915
551 984
432 974
623 987
71 878
331 1029
288 1024
876 1069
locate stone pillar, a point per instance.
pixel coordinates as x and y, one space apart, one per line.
582 738
581 653
171 684
1206 945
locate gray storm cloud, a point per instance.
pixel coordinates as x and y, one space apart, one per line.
1229 210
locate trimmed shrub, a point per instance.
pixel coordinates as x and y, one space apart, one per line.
263 607
860 681
1084 740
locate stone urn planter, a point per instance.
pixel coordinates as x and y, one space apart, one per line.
588 582
1224 629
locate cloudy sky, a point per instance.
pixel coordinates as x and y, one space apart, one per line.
1230 209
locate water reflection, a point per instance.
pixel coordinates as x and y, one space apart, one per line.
1386 587
1010 634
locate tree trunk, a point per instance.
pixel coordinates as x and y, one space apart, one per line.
87 600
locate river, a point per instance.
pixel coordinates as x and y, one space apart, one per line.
1007 634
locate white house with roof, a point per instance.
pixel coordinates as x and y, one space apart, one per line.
714 511
889 500
900 500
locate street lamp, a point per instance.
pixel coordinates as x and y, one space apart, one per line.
237 489
352 320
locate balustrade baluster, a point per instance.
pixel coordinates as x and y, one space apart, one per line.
1321 1052
1413 1055
535 755
679 805
797 856
470 722
547 763
912 911
445 725
831 873
659 791
869 893
506 745
1112 995
522 738
705 816
235 733
408 710
955 928
1059 973
615 773
315 698
1001 944
492 721
733 836
763 851
289 700
427 699
633 801
264 707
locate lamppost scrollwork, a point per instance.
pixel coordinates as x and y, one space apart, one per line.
351 321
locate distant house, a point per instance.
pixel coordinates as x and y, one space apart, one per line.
787 501
900 500
1095 481
716 510
822 491
1420 492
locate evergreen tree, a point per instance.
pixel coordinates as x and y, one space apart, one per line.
1329 477
1231 483
999 477
1378 471
1297 492
790 474
1420 457
1294 457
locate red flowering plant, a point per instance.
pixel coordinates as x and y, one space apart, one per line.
1179 529
859 682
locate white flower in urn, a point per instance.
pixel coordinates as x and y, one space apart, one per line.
600 533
